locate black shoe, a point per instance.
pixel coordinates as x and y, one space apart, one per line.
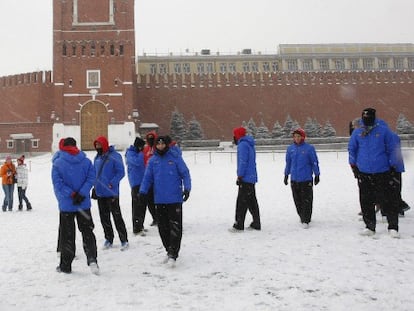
60 270
20 207
254 227
29 207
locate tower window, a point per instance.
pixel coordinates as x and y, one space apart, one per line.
64 50
121 49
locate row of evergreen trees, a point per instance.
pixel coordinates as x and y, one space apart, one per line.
180 130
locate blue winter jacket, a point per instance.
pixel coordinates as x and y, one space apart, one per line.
246 160
396 158
169 175
107 184
135 166
70 174
301 162
372 149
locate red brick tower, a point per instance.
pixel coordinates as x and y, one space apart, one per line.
94 71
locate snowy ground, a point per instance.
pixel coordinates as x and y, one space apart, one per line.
283 267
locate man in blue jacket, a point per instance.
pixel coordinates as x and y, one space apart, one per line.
73 176
372 156
134 158
301 164
246 180
109 169
170 178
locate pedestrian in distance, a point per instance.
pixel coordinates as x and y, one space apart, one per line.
134 157
303 167
109 170
73 176
246 181
372 157
170 178
22 183
8 175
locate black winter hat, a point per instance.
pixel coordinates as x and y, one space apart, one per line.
70 141
368 116
139 143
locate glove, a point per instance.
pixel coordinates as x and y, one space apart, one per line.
186 195
285 181
238 181
77 198
316 181
355 170
143 198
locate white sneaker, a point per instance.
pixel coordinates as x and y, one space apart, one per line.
367 232
94 268
171 262
124 246
394 233
305 225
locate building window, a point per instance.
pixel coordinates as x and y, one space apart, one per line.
275 66
121 49
177 68
339 64
354 64
399 63
410 63
83 49
93 79
246 67
64 50
209 67
266 67
307 65
255 67
93 49
232 67
324 64
35 143
223 67
112 48
292 64
368 63
163 69
153 69
200 68
186 68
74 50
10 144
383 63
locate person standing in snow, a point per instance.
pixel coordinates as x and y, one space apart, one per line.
373 160
149 150
135 168
301 164
170 178
22 183
73 176
109 169
8 173
246 180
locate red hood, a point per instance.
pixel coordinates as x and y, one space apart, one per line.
104 143
239 132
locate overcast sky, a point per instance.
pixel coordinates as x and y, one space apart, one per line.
219 25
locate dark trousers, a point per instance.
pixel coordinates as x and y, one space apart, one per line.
22 197
379 189
151 205
67 237
303 198
170 227
108 206
246 200
138 211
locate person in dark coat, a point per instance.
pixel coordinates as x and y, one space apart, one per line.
372 158
170 178
109 169
135 169
246 180
302 164
149 150
73 176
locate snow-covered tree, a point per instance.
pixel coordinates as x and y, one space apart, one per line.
328 130
251 128
312 128
404 126
177 126
194 130
262 131
289 126
277 130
